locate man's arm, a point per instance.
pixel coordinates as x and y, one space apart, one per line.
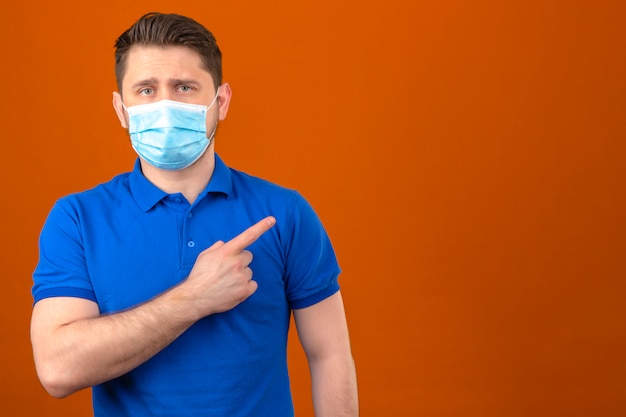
323 332
75 347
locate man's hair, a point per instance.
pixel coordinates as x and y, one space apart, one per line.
158 29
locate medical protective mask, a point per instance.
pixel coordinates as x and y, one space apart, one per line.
169 134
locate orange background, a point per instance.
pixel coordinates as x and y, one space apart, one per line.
466 157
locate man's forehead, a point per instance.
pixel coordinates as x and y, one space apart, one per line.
169 53
153 61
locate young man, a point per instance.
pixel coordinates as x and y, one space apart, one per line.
169 289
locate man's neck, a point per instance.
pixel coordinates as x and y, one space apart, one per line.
190 181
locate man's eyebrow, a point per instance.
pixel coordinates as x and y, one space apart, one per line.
172 82
143 83
178 81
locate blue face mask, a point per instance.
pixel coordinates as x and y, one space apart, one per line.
168 134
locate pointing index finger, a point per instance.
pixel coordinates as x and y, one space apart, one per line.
251 234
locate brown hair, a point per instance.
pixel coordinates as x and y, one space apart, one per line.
157 29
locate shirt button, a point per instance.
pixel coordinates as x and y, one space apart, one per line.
189 215
191 243
178 200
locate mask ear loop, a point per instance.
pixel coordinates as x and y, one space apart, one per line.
210 138
217 92
127 114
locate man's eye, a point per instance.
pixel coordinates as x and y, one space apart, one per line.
184 88
146 91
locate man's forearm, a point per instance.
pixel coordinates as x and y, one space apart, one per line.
334 387
93 350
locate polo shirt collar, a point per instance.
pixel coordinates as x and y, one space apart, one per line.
147 195
222 180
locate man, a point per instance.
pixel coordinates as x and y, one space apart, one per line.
169 289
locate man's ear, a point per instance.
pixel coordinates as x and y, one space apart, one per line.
223 100
119 109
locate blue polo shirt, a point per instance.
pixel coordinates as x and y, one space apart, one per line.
126 241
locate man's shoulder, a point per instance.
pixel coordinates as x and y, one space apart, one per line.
105 191
250 184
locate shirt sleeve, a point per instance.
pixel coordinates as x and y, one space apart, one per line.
62 268
312 269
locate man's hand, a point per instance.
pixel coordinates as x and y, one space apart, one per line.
221 277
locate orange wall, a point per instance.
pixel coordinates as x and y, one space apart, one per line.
467 157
